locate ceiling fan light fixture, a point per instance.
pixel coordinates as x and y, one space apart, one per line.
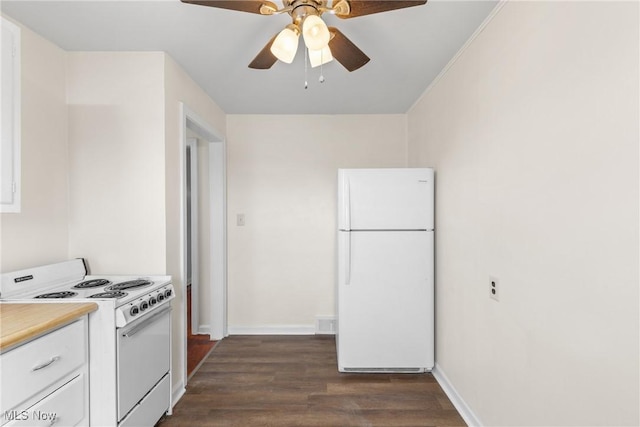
320 57
315 32
285 45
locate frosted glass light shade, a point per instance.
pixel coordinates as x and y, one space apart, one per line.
285 46
319 57
315 32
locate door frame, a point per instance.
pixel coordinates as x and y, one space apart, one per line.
218 223
192 160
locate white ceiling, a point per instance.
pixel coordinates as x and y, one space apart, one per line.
408 49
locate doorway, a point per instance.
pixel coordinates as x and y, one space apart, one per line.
204 238
199 342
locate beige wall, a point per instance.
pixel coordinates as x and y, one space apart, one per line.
116 161
282 175
533 134
179 87
101 141
38 234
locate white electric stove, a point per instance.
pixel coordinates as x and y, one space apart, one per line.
129 336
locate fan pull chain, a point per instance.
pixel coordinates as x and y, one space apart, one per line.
321 74
306 84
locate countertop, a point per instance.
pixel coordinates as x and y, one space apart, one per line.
21 322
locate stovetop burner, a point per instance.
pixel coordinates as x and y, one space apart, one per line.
62 294
94 283
128 285
111 294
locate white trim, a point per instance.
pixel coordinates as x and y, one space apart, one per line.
14 173
192 143
273 330
205 330
178 391
458 402
218 303
182 329
460 51
218 247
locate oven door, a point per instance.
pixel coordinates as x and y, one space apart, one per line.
144 357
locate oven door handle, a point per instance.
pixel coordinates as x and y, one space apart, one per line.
134 330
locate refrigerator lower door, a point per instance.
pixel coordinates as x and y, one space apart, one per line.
385 301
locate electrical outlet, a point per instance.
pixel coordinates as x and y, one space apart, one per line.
494 288
240 220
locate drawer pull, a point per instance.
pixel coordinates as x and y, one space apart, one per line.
45 364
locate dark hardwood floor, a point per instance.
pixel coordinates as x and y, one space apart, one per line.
293 381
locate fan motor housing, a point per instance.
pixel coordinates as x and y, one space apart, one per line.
313 3
303 8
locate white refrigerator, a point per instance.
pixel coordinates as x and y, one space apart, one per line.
385 270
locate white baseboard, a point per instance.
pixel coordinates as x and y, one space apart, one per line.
465 411
204 330
273 330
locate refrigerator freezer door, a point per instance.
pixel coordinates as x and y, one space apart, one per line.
385 301
385 199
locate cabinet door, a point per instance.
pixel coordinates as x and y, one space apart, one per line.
10 127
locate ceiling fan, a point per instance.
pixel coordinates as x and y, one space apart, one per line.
323 43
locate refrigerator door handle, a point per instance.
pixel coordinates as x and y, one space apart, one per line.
347 278
347 204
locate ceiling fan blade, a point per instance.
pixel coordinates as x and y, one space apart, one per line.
265 59
251 6
367 7
345 52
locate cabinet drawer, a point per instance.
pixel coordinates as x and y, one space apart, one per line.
64 407
31 368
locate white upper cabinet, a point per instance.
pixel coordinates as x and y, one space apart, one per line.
10 113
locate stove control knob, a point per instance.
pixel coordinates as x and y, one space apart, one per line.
167 293
152 301
143 306
160 297
134 310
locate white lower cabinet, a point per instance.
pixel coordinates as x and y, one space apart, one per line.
46 381
63 407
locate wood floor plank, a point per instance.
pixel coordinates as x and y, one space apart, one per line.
293 381
410 389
